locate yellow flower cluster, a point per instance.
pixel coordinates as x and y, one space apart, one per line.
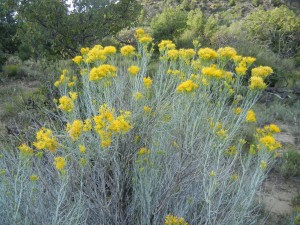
143 151
174 220
243 64
66 104
173 54
166 45
84 51
147 82
142 37
75 129
250 118
82 149
261 71
62 79
59 163
266 137
227 52
121 124
147 109
238 110
257 83
102 71
45 140
25 149
77 59
187 54
96 53
87 126
263 164
106 124
34 177
232 150
187 86
207 53
133 70
213 71
109 50
138 95
128 50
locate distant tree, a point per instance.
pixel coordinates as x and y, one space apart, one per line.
8 27
56 28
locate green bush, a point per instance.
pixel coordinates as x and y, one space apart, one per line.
290 164
25 52
11 70
169 24
278 29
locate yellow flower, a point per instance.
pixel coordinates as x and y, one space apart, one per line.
257 83
250 118
212 71
147 109
34 177
145 40
240 70
66 104
222 133
232 150
187 86
83 161
207 53
147 82
270 143
249 60
77 59
138 95
204 82
70 84
166 45
128 50
173 220
263 164
133 70
120 124
173 54
227 52
45 140
84 51
75 129
212 173
96 53
82 149
234 177
73 95
102 71
238 110
109 50
59 163
25 149
87 125
187 54
274 128
144 151
62 79
139 32
262 71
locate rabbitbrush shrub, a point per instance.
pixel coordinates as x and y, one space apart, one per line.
129 147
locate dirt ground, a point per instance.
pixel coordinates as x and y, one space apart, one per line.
278 191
